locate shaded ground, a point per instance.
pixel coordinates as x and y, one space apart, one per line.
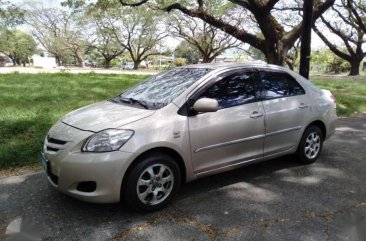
276 200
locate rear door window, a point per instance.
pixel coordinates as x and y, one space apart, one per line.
277 85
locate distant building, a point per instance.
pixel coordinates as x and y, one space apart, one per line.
44 62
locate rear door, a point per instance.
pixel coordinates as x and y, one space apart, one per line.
286 109
236 131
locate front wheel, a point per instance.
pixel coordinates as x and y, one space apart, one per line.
310 145
151 183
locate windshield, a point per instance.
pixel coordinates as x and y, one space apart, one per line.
162 89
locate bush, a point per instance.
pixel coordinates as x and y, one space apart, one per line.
180 62
326 61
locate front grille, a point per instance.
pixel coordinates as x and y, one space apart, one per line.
55 141
52 149
54 145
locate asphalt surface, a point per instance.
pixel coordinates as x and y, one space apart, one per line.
275 200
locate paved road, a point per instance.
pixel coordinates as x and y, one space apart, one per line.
276 200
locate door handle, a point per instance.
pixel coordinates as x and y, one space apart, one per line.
303 106
256 114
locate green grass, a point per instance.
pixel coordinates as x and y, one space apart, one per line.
31 103
350 93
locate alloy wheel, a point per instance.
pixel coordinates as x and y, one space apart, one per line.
312 145
155 184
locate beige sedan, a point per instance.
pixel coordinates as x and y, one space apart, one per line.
184 124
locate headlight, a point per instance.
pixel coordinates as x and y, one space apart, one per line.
107 140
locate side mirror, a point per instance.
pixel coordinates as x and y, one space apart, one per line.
206 105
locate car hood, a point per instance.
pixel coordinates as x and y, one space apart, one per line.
104 115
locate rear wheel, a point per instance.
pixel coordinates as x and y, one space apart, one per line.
152 182
310 145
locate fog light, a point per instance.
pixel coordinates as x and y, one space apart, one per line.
86 186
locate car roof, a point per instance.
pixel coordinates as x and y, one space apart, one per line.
217 66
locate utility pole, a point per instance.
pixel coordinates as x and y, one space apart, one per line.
306 38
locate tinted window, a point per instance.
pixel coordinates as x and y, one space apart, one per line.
162 89
233 90
280 85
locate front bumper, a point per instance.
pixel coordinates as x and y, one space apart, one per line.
105 169
68 167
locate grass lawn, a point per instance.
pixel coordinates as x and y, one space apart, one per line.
31 103
350 94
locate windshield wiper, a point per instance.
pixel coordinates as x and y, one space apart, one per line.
139 102
132 101
124 100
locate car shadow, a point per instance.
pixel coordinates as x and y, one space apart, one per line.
34 191
243 174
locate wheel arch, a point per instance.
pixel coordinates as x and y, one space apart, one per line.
166 150
320 124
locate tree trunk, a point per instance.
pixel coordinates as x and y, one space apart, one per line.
13 59
355 67
107 63
80 60
206 59
290 64
58 60
305 51
136 64
276 58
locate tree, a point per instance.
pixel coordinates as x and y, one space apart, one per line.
271 36
10 14
59 31
103 37
187 51
343 22
138 32
209 41
76 45
46 28
17 45
358 9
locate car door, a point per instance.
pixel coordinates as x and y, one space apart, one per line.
286 110
235 132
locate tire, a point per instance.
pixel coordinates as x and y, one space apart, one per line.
310 146
152 183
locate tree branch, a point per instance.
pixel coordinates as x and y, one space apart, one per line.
228 28
331 46
136 4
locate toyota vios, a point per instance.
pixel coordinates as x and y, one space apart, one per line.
184 124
